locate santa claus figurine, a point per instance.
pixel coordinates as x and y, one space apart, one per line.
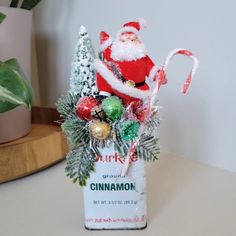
125 65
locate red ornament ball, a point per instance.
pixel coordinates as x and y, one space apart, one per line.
137 110
84 107
143 113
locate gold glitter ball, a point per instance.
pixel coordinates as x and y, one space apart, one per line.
100 130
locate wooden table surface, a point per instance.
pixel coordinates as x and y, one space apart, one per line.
184 198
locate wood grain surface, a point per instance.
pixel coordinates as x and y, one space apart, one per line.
45 145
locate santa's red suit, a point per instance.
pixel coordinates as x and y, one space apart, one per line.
118 67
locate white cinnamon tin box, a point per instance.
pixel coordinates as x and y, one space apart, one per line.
112 201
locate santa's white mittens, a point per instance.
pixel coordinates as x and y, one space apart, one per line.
153 73
105 41
104 93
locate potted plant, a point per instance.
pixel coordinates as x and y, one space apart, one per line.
15 42
15 91
15 31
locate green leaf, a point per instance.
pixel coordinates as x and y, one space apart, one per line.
8 96
2 17
7 106
14 3
29 4
15 66
15 90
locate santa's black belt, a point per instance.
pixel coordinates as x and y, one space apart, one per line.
139 84
122 78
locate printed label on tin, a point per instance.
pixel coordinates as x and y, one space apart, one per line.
112 201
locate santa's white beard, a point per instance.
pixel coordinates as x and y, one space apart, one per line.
127 51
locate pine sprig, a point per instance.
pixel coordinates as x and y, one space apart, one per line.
80 163
148 148
151 124
76 131
66 105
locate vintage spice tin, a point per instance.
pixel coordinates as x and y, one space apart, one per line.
112 201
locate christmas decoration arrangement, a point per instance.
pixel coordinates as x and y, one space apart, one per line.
110 102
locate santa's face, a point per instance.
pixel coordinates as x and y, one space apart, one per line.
129 37
128 47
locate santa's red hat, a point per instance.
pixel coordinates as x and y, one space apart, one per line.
132 27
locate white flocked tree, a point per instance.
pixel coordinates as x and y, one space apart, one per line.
82 79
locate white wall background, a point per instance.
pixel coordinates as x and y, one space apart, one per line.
199 125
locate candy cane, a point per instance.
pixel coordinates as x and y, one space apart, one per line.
128 159
132 150
162 71
161 77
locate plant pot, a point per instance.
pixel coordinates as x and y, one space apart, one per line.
15 42
14 124
112 201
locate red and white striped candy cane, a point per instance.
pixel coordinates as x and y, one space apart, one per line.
162 71
126 165
185 53
161 74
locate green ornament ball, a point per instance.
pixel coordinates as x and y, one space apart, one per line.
113 108
129 130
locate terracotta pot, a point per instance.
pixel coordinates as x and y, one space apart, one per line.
15 42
